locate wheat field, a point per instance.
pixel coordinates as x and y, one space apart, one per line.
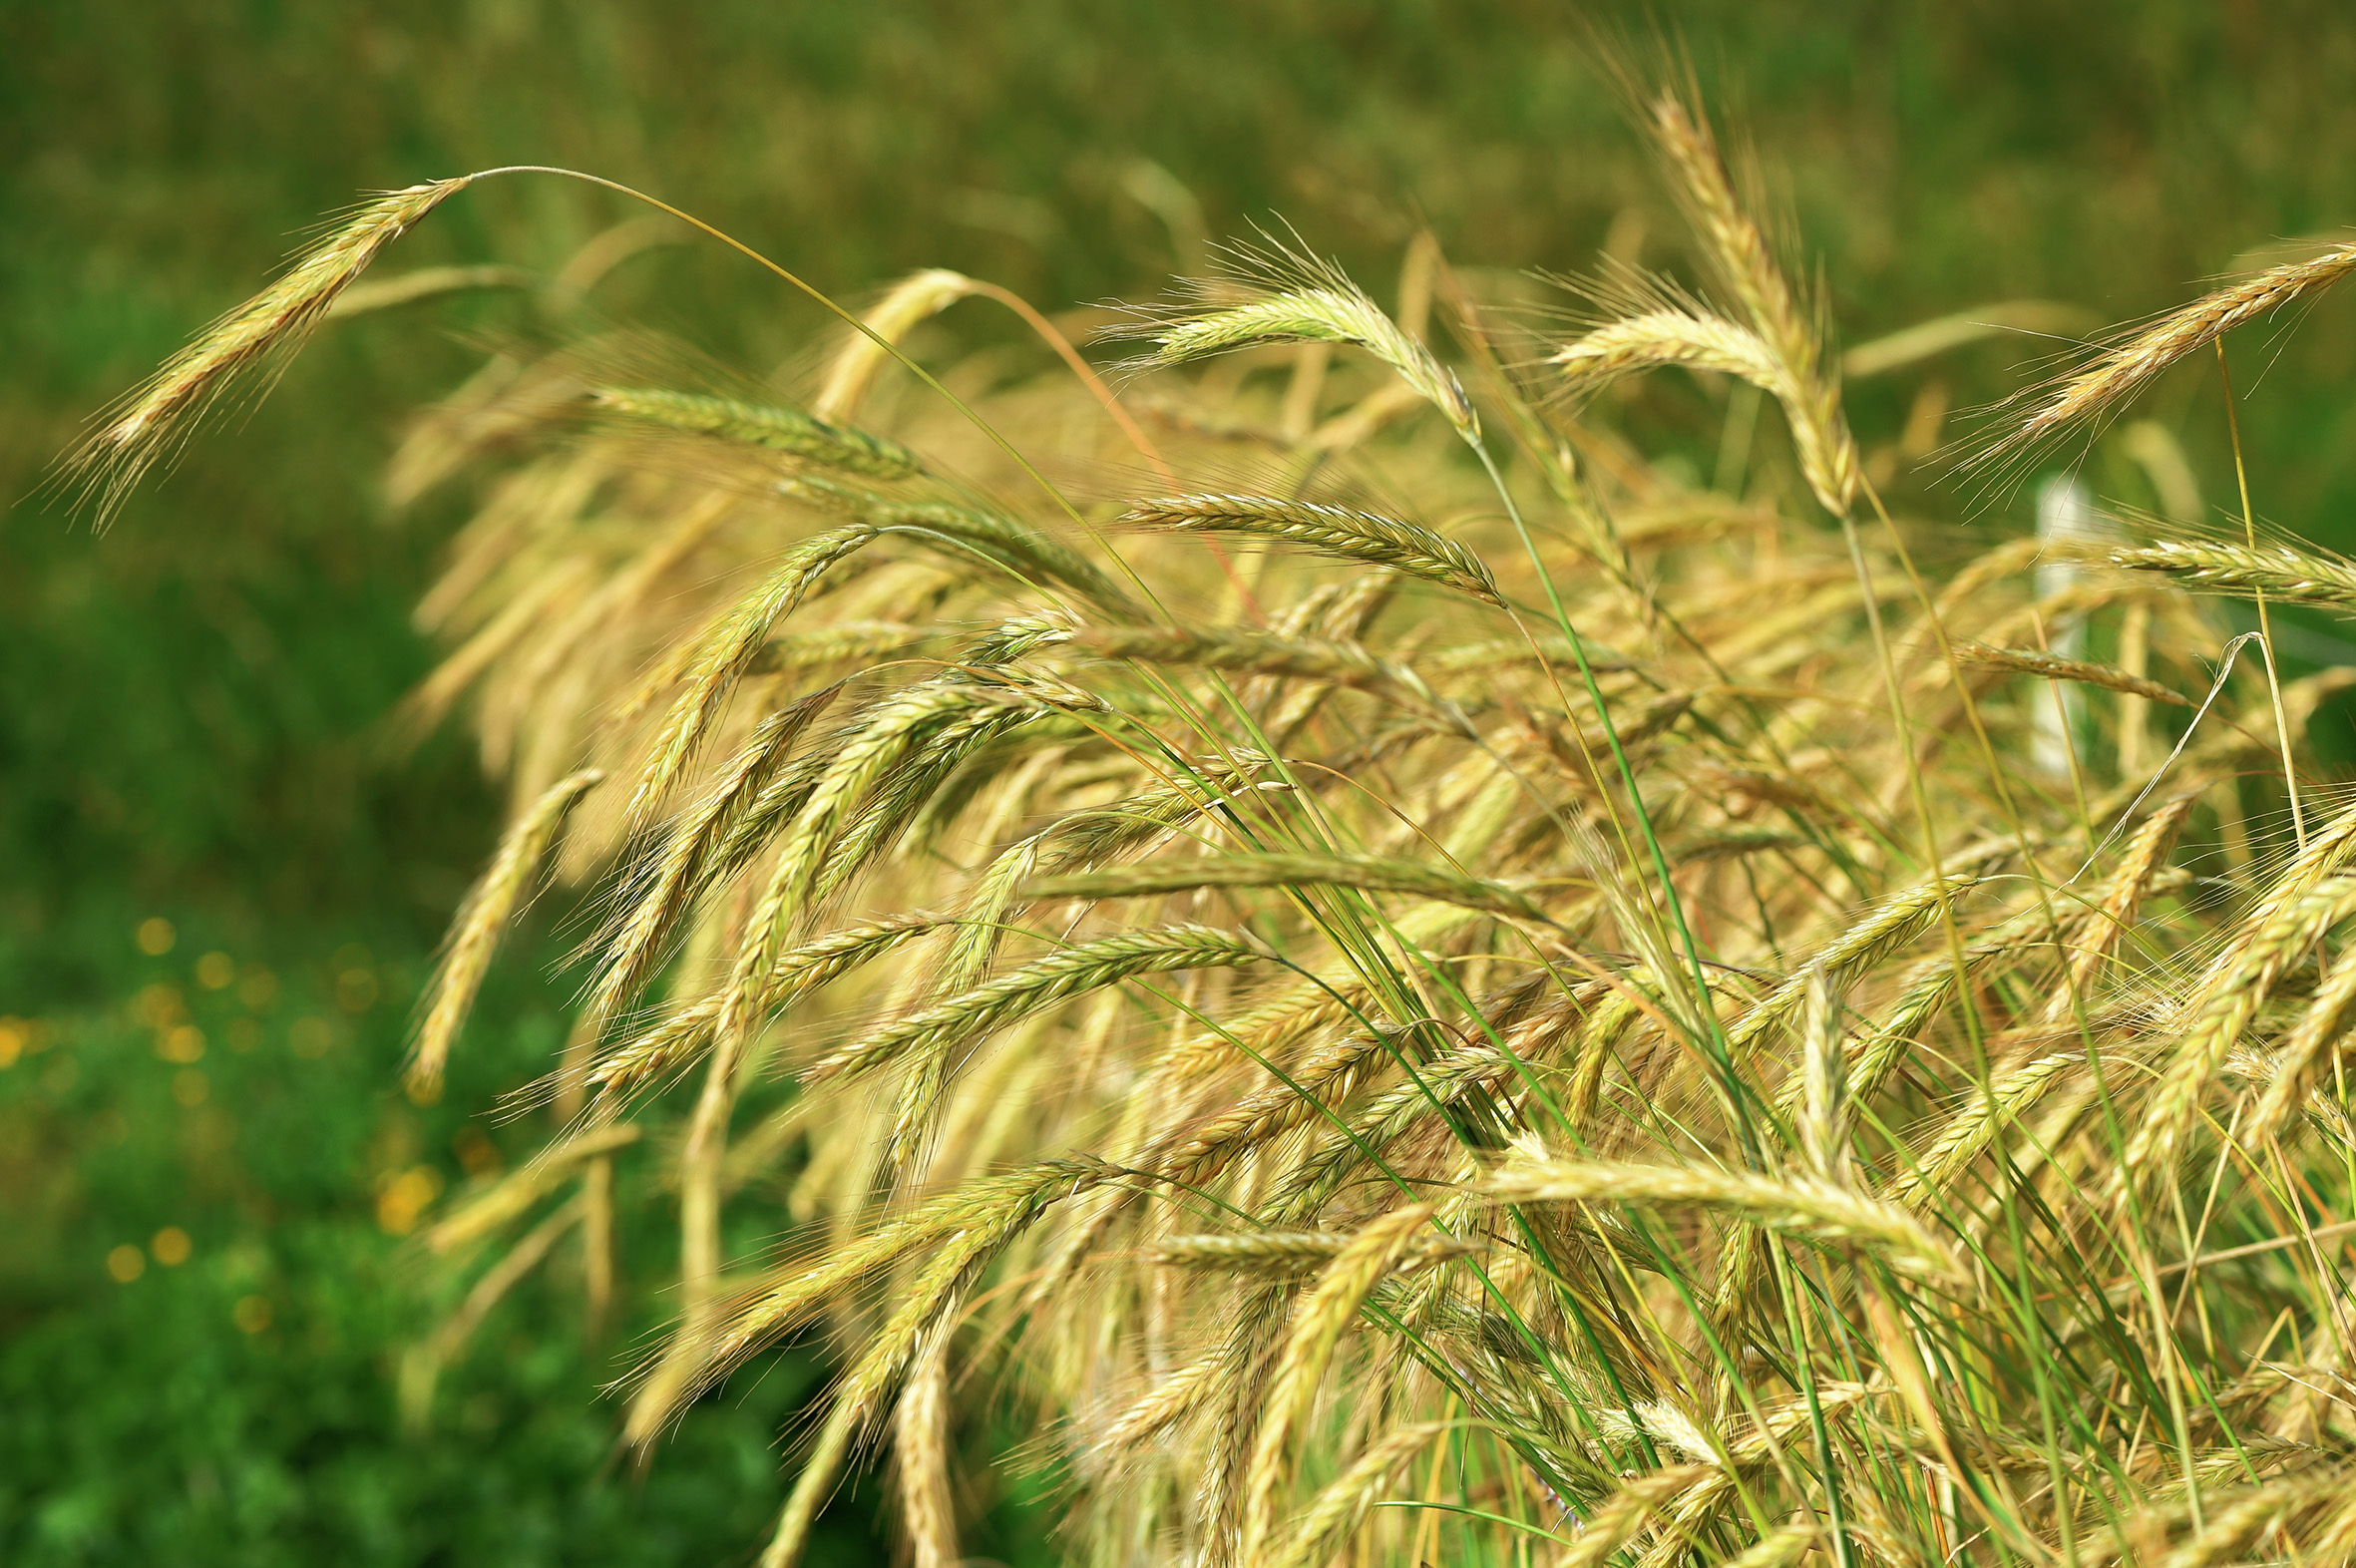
1396 978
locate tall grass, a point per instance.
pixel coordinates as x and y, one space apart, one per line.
1407 983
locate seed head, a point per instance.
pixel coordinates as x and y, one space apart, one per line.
147 425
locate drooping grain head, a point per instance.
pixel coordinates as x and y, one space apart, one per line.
1672 338
765 426
1347 532
1737 249
148 426
1745 266
1294 297
2117 374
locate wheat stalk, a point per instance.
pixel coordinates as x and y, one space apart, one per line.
1336 1509
475 934
2279 571
909 301
1317 1329
2053 667
727 650
1304 299
678 1039
1796 1204
929 1036
2235 987
1291 870
1281 1253
766 426
1672 338
1883 929
1345 532
145 426
2123 371
1745 266
670 876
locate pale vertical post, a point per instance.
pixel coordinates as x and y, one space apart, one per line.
2064 516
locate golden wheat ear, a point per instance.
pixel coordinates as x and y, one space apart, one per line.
150 423
2122 371
1291 297
482 920
1791 325
1345 531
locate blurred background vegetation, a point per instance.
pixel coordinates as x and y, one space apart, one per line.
221 885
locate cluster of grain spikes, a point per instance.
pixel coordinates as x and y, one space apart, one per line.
1597 1043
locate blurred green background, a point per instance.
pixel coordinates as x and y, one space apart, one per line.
219 889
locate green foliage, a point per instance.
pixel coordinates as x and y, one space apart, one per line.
145 1427
235 1403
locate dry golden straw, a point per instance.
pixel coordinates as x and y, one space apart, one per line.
1340 1063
